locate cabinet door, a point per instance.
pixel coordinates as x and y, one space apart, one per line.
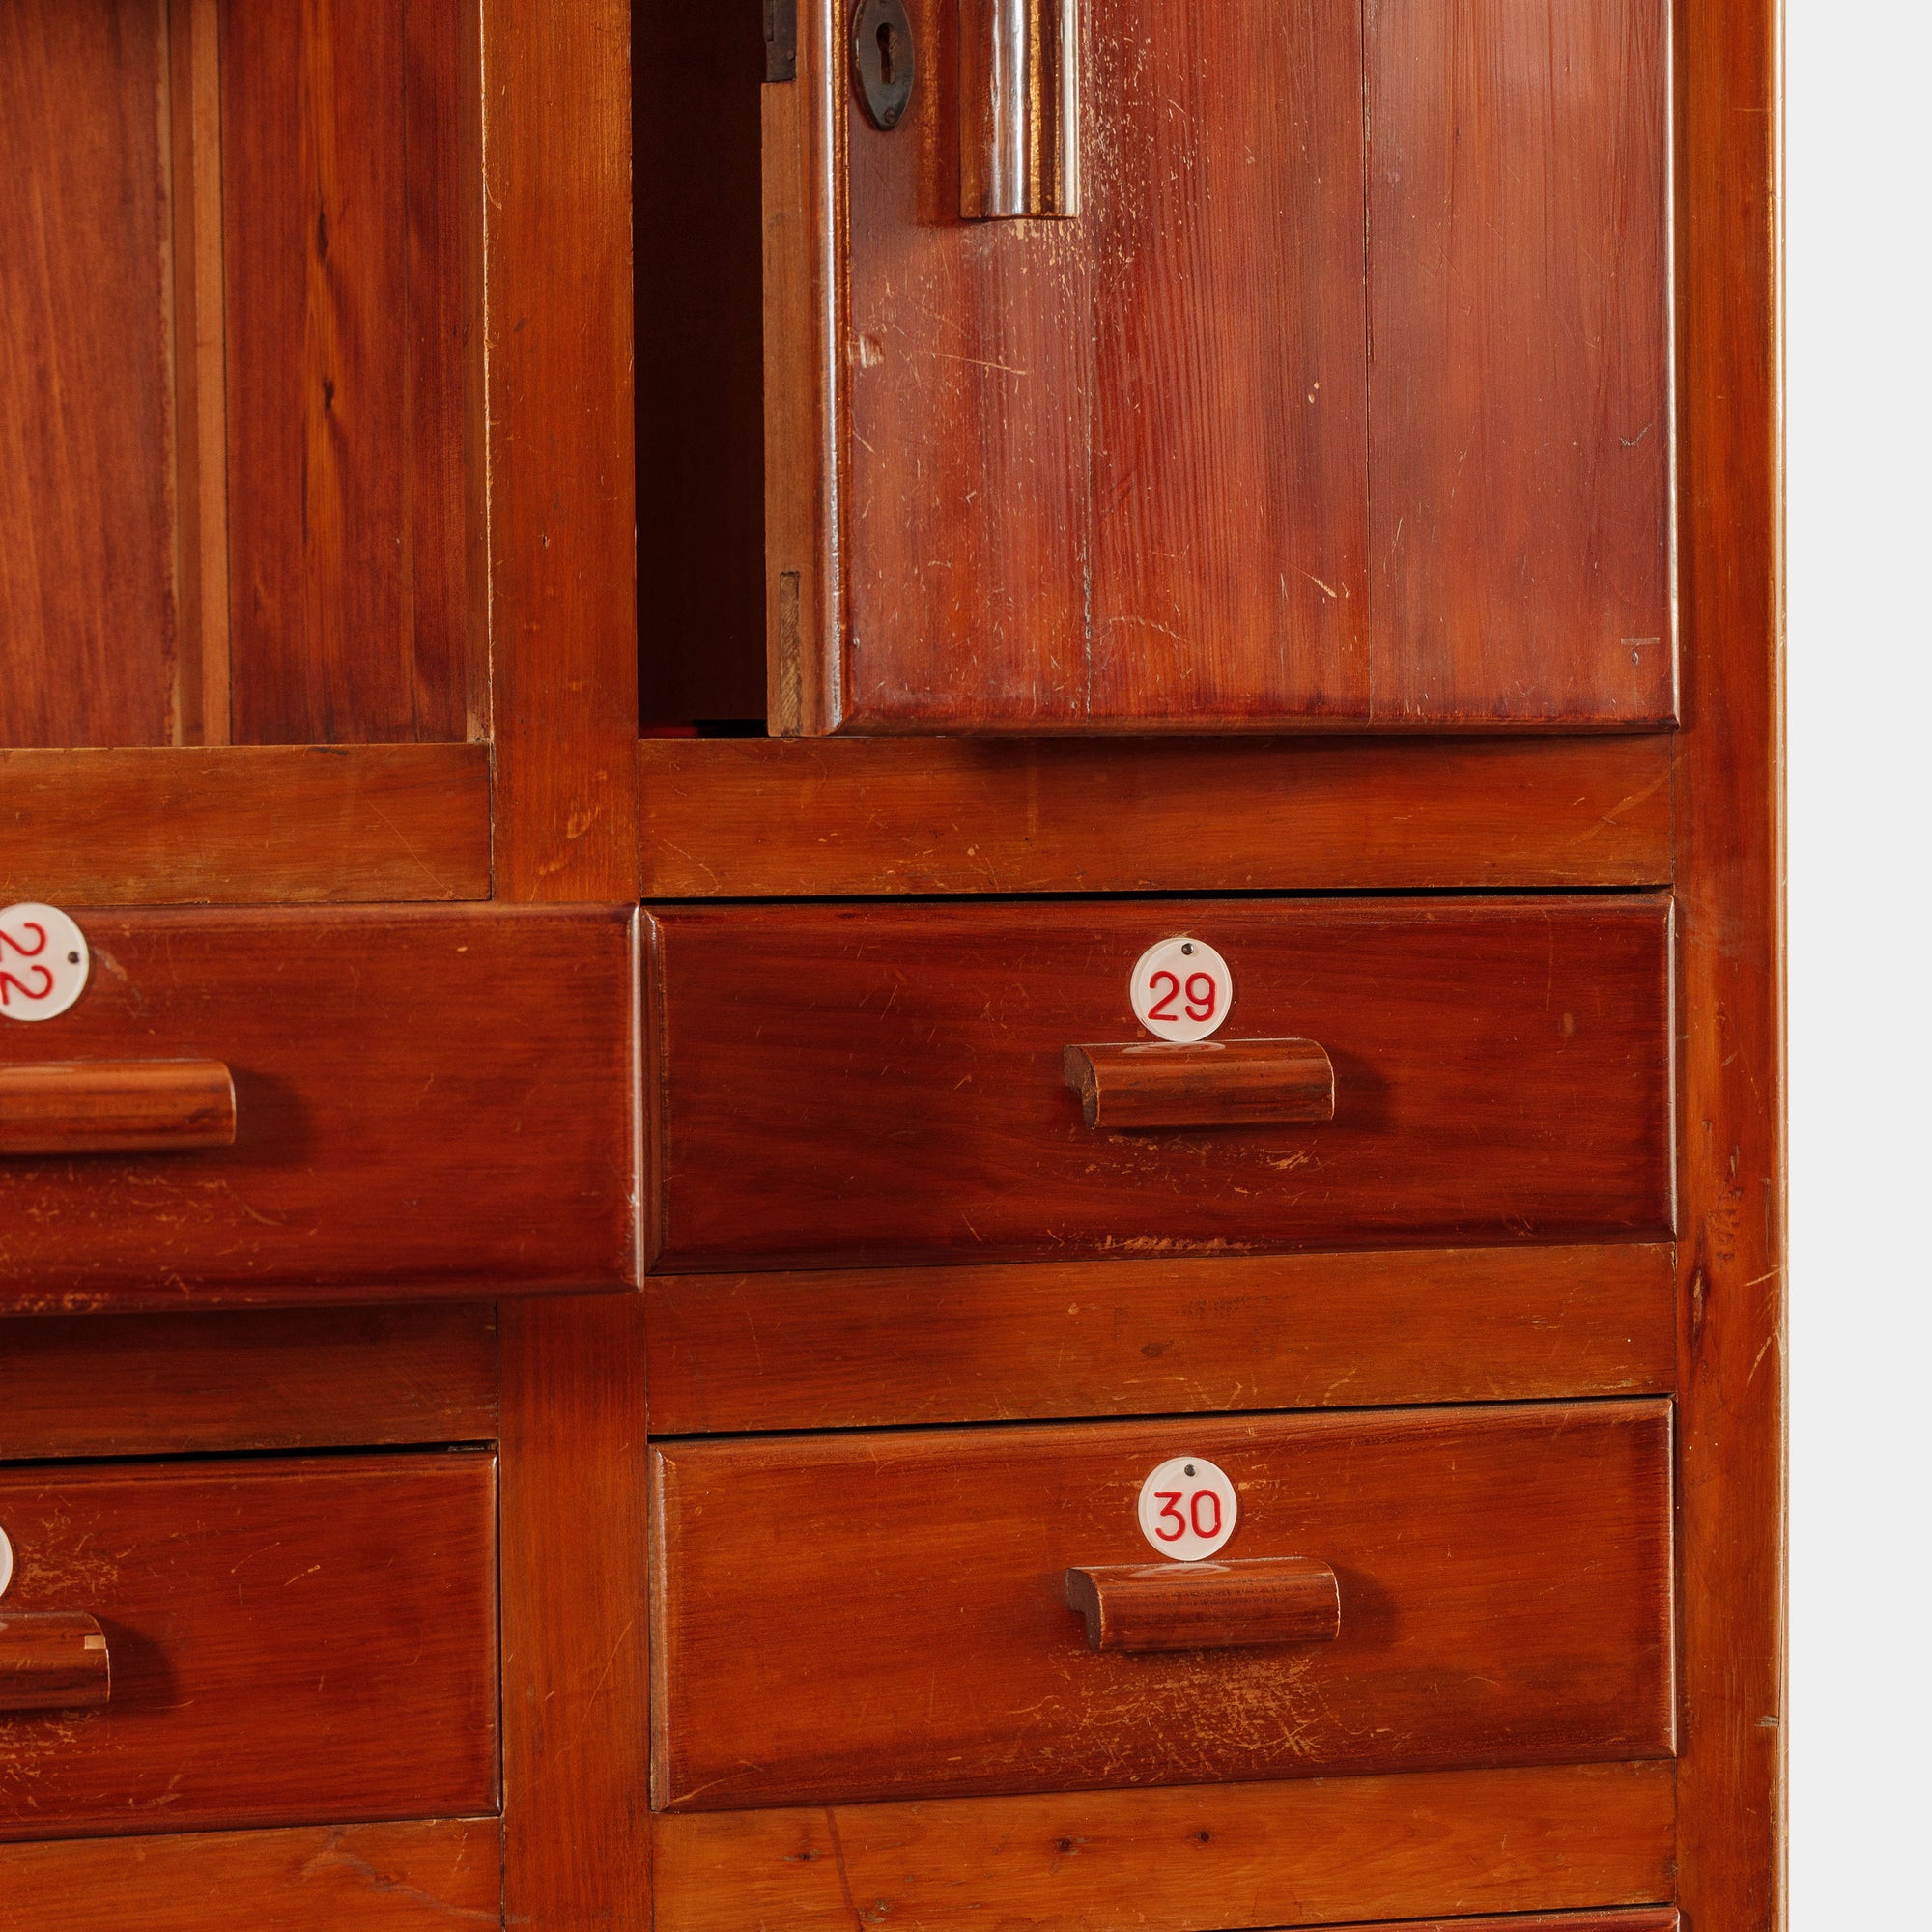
1336 396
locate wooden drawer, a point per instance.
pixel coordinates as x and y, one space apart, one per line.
432 1101
842 1085
291 1642
884 1615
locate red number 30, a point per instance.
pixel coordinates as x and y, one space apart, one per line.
1170 1511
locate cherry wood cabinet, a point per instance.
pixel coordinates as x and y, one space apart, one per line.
535 458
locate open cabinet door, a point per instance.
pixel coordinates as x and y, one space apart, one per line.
1323 382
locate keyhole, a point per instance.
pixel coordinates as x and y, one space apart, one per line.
887 54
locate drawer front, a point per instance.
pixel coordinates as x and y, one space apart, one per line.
853 1085
289 1643
423 1099
886 1615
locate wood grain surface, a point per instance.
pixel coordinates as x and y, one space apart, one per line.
348 326
271 1379
1505 1580
756 818
246 825
576 1651
1140 473
373 1878
293 1642
52 1660
1520 391
1211 1083
87 602
1250 1604
115 1106
1206 1858
1731 974
432 1101
563 593
864 1085
878 1345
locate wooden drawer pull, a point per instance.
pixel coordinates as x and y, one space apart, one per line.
52 1660
116 1106
1241 1606
1233 1082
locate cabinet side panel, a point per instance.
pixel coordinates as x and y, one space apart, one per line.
1519 402
345 422
86 617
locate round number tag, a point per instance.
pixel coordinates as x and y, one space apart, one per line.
1181 989
1187 1508
43 962
6 1562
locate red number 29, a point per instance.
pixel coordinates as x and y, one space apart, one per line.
1201 995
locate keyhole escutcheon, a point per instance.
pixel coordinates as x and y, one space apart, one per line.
884 60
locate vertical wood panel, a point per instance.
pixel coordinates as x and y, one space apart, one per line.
86 617
1731 857
576 1660
1520 399
201 381
968 362
1229 519
563 604
341 162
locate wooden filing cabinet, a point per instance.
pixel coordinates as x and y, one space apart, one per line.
624 623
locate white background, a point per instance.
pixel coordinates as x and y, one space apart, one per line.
1858 201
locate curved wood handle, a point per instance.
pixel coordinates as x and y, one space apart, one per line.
1241 1606
1020 108
1235 1082
116 1106
52 1660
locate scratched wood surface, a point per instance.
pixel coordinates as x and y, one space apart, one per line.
371 1877
348 328
87 609
758 818
1205 1859
271 1379
863 1084
1118 473
246 824
293 1642
1505 1581
434 1100
867 1346
1520 392
1732 1294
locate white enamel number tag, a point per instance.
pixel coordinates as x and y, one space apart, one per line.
1181 989
6 1562
1187 1508
43 962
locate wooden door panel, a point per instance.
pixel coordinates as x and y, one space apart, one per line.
344 158
289 1643
1342 400
1505 1586
1520 392
87 609
860 1085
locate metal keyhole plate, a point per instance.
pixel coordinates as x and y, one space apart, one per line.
883 60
